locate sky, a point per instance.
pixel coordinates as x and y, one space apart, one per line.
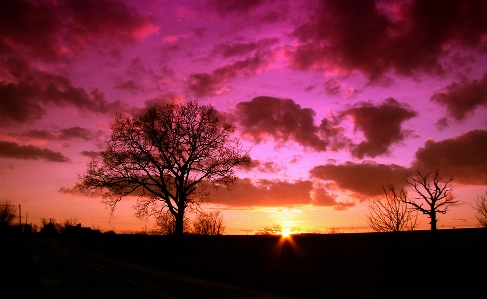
333 99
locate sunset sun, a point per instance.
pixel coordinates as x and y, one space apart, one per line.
286 232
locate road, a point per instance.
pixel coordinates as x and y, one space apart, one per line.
59 270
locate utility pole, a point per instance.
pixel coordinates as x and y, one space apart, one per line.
20 218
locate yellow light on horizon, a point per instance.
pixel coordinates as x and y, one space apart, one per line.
286 232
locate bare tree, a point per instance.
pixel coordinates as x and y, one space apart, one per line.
8 213
208 223
436 193
390 213
273 229
163 156
481 209
166 224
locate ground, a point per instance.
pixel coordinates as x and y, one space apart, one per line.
372 265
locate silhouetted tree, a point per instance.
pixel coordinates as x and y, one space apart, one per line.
436 194
390 213
481 209
163 156
8 213
273 229
208 223
166 224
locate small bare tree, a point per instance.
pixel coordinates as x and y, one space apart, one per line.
481 209
166 224
209 223
436 193
7 214
273 229
390 213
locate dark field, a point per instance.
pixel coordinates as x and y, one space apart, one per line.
374 265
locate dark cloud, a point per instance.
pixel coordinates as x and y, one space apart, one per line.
52 30
244 193
262 166
322 198
90 154
76 133
204 84
164 99
377 37
29 90
332 87
365 179
462 98
280 119
29 152
141 78
442 123
463 157
129 85
64 134
73 191
241 49
253 13
235 6
200 31
381 126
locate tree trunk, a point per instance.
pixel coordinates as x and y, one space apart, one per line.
433 224
179 223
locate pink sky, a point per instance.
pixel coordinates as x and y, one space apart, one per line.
334 98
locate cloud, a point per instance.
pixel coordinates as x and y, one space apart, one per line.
282 120
322 198
463 157
199 31
262 166
241 49
248 193
365 179
204 84
141 78
442 123
258 14
64 134
378 37
28 90
461 99
381 126
29 152
74 191
53 30
90 154
245 193
235 6
332 87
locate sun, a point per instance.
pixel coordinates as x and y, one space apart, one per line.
286 232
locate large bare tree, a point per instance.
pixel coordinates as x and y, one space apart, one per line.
435 192
163 156
390 213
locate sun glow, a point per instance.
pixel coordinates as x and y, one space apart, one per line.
286 232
